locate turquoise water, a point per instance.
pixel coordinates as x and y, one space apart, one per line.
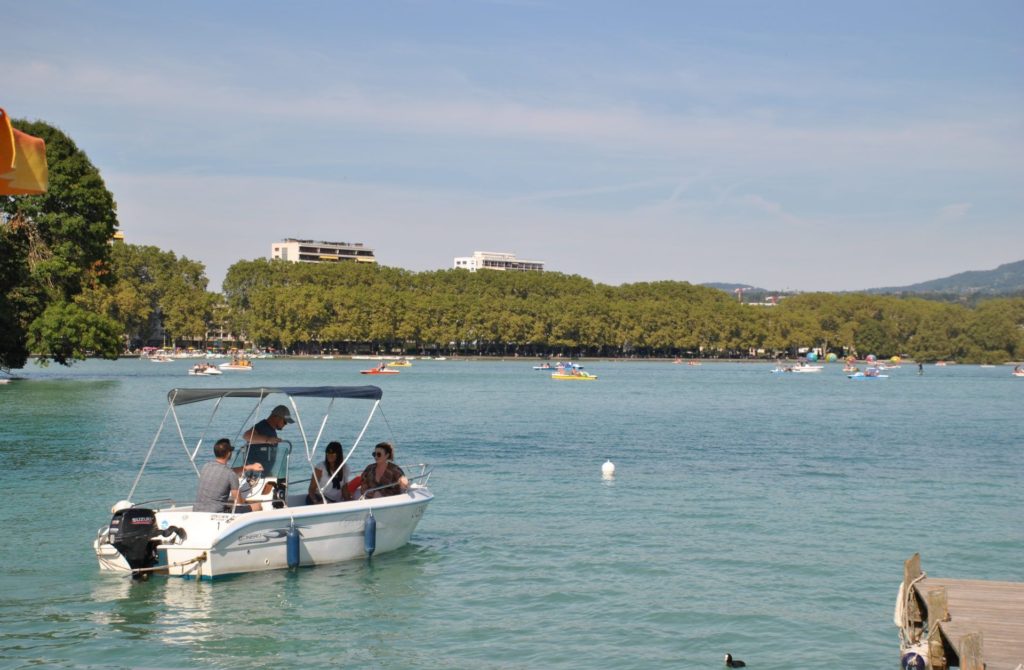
765 515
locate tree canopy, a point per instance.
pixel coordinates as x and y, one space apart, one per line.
55 247
352 307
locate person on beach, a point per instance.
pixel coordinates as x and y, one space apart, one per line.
218 489
329 478
383 473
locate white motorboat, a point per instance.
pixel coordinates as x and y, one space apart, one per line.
238 364
798 367
168 537
204 370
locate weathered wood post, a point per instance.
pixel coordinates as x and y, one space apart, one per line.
938 611
914 618
971 652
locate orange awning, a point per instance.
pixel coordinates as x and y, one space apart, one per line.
22 161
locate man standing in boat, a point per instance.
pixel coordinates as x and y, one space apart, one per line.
262 438
265 432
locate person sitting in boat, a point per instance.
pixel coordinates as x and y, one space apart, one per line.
265 431
383 473
218 489
332 480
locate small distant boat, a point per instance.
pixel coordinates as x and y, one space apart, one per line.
204 370
568 366
574 375
380 370
940 364
678 361
543 366
870 373
161 359
1018 372
237 364
400 364
799 367
850 368
694 363
328 357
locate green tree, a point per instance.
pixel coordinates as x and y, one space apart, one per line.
59 248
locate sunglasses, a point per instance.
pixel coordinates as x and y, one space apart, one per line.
378 453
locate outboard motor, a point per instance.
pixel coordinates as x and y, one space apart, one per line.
133 532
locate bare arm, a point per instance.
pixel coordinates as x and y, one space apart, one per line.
314 490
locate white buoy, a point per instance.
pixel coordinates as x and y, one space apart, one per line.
608 469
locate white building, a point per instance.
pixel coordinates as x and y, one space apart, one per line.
494 260
312 251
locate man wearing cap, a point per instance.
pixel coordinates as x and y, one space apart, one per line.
265 432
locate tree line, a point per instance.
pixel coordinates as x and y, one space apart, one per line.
354 308
69 292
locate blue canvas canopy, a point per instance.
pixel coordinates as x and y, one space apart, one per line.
191 395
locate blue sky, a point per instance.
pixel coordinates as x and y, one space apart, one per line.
788 145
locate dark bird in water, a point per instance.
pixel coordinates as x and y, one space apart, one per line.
730 663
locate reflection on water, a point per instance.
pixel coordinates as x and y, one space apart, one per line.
197 614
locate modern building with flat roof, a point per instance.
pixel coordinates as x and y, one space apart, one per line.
496 260
313 251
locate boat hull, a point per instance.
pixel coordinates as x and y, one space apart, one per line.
222 544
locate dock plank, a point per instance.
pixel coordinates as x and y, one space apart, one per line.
995 609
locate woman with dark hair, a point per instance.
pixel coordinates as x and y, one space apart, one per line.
383 473
331 477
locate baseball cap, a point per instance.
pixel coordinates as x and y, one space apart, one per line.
283 412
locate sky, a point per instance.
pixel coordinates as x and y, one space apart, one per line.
786 145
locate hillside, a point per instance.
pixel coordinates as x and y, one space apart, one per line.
1004 280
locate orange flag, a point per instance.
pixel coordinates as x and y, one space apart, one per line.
22 161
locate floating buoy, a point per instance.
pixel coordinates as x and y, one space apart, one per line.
915 657
608 469
292 542
370 535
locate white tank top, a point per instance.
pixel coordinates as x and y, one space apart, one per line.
330 493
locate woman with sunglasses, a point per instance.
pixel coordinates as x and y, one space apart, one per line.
383 473
332 480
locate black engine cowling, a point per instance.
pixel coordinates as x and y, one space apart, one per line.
133 532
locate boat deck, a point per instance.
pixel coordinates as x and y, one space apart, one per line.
981 622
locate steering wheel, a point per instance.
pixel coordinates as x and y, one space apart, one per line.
253 480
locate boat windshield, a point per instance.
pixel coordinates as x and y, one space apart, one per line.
273 457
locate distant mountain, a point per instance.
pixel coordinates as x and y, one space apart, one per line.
1004 280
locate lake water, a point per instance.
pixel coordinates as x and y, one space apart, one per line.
764 515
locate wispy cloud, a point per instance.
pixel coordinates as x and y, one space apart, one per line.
954 212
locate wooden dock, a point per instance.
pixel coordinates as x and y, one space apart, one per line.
967 623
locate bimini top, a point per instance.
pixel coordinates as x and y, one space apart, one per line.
186 396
